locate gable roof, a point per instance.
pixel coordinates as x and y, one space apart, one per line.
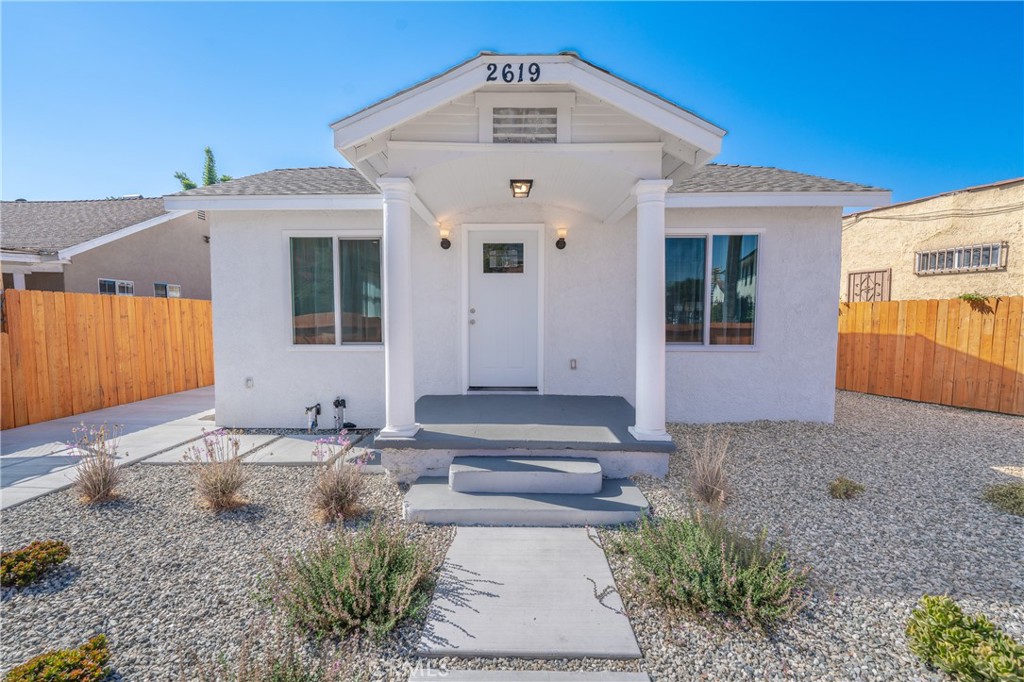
732 178
46 227
289 181
339 181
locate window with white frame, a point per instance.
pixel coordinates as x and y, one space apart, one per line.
973 258
164 290
711 289
331 275
116 287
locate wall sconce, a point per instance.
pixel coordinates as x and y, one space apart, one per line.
560 242
445 242
520 188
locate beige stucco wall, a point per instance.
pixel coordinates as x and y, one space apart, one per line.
889 237
174 252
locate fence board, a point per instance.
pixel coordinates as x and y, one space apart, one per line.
65 354
953 352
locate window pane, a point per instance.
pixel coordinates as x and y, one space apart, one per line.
684 289
108 286
361 303
312 290
160 290
174 291
733 288
126 288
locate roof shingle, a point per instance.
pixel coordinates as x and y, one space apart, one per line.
710 178
43 226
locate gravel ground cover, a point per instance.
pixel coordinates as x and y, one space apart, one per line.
172 585
920 527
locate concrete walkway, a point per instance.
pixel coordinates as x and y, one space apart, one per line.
527 593
37 459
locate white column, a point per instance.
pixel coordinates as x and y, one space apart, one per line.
19 279
399 387
650 311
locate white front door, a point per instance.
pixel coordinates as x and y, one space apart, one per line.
504 272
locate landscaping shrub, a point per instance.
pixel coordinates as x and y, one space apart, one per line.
701 565
708 479
337 485
843 488
21 567
280 661
87 663
1007 496
97 474
969 648
219 473
365 580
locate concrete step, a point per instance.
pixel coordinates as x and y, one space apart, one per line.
430 500
525 475
425 672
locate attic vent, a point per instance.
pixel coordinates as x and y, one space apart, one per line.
525 125
201 215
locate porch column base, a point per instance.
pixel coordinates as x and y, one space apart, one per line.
651 436
400 431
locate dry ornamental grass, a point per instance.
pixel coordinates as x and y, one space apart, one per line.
709 481
218 471
96 474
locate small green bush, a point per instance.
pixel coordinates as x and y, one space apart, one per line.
366 580
701 565
1007 496
972 297
843 488
24 566
969 648
87 663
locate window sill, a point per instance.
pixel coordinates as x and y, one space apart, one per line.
339 348
687 348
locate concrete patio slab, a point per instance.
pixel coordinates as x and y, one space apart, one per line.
291 450
35 460
246 444
425 672
527 593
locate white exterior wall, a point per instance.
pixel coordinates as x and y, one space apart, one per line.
588 316
790 373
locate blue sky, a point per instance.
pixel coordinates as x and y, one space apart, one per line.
110 99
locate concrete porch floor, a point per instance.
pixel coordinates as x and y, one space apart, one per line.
532 422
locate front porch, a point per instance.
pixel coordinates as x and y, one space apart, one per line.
584 424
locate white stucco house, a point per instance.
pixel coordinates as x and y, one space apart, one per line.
526 224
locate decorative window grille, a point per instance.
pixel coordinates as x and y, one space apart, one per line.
529 125
869 286
973 258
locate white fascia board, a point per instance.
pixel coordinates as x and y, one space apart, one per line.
278 202
119 234
20 257
558 70
775 199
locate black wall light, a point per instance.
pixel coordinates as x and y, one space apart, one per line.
560 242
445 242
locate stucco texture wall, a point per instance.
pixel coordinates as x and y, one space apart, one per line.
174 252
790 372
588 316
889 237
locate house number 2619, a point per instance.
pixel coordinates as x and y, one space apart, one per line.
514 73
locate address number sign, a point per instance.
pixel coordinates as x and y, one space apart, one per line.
514 73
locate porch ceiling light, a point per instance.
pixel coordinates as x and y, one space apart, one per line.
520 188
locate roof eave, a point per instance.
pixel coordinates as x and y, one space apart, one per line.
777 199
275 202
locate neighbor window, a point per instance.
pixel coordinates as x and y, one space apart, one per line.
315 295
711 289
974 258
162 290
117 287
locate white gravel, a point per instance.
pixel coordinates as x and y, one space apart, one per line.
171 584
920 527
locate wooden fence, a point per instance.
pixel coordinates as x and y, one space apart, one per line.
65 354
961 353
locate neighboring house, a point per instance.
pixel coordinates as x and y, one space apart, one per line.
130 246
526 223
966 241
